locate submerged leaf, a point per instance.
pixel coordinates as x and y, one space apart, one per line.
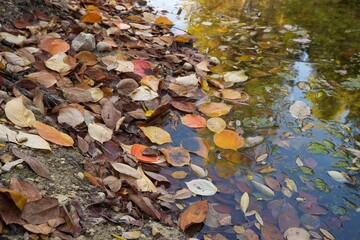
176 156
235 76
300 110
244 202
202 187
196 213
338 176
216 124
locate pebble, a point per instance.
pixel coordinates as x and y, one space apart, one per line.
103 47
80 175
84 42
214 60
187 66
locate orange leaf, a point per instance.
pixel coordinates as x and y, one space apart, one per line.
176 156
196 213
212 109
57 46
93 180
185 38
86 57
163 20
137 149
193 121
52 135
18 198
91 17
228 139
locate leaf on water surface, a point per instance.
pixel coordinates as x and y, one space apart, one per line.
179 174
193 121
195 213
288 219
300 110
263 189
190 80
18 114
184 106
156 134
316 148
272 183
163 20
176 156
244 202
126 169
216 124
307 170
235 76
212 109
296 233
229 139
199 171
338 176
290 184
321 185
202 187
51 134
327 234
196 145
137 149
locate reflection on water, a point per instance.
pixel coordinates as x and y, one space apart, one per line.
270 40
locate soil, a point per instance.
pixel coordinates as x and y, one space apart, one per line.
68 183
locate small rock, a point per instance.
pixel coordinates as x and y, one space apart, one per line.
80 175
187 66
214 60
84 42
103 47
91 231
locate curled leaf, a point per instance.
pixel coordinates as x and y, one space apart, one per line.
17 113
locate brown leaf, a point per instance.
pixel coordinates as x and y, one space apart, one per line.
184 106
25 188
9 213
176 156
196 213
288 219
126 86
110 114
145 205
44 78
37 166
40 211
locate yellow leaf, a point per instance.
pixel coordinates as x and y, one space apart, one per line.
228 139
216 124
156 134
212 109
51 134
163 20
244 202
18 198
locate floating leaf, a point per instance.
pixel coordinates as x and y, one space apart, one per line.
327 234
179 174
228 139
235 76
321 185
307 170
244 202
216 124
295 233
50 134
156 134
176 156
202 187
163 20
193 121
137 149
126 169
196 213
100 132
338 176
300 110
263 189
17 113
196 145
212 109
317 148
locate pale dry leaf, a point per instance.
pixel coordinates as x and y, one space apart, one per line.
33 141
100 132
300 110
244 202
126 170
7 135
143 93
71 116
202 187
18 114
235 76
190 80
57 64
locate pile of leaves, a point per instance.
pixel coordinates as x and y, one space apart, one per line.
110 78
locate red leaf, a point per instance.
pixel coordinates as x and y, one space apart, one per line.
142 67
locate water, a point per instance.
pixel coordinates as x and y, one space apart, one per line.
269 39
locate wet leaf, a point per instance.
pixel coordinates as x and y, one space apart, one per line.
244 202
327 234
156 134
51 134
228 139
235 76
212 109
263 189
307 170
321 185
17 113
216 124
196 213
137 149
179 174
184 106
296 233
300 110
338 176
100 132
176 156
317 148
202 187
288 219
163 20
127 170
193 121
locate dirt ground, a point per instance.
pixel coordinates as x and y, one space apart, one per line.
68 182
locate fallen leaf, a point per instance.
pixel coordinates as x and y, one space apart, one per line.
195 213
33 141
137 149
196 145
126 169
300 110
216 124
228 139
203 66
296 233
110 114
18 198
244 202
14 39
57 63
179 174
44 78
25 188
338 176
17 113
163 20
202 187
193 121
151 81
176 156
58 46
156 134
263 189
235 76
212 109
71 116
190 80
184 106
51 134
100 132
142 67
143 93
144 184
7 135
91 17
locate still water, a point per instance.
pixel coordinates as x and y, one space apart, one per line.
292 50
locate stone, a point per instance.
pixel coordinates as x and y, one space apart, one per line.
187 66
103 47
84 42
214 60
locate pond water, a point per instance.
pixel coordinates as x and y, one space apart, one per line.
292 50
